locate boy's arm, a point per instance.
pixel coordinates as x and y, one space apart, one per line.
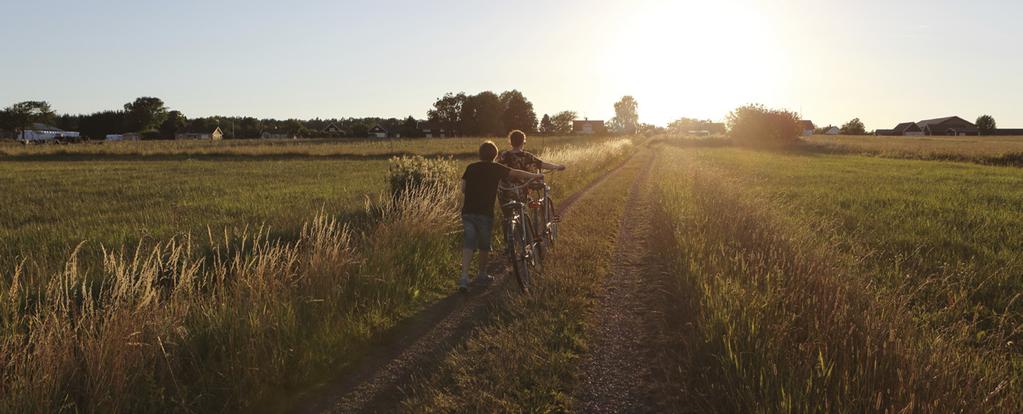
549 166
523 175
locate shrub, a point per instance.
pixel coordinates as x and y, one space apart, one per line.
759 126
410 173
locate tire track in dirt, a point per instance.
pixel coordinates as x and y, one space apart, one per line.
418 343
619 372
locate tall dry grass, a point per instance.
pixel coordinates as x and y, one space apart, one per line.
773 317
177 328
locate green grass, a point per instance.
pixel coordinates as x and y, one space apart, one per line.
843 283
210 321
49 207
992 150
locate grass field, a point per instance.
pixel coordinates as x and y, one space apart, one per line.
117 194
220 320
844 283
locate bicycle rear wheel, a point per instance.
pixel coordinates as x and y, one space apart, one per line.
519 255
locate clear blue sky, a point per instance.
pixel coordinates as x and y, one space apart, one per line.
882 61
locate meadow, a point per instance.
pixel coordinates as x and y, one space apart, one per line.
823 282
242 274
119 194
991 150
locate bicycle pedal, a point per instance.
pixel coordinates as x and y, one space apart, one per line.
556 219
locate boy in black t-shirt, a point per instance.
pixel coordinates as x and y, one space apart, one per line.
479 184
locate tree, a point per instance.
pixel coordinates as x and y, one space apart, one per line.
758 126
175 123
145 113
562 122
22 115
489 114
546 127
684 126
518 112
626 115
854 127
986 125
409 128
447 112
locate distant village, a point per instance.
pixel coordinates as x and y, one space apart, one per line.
947 126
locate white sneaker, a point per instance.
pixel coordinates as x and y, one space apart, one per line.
484 279
463 284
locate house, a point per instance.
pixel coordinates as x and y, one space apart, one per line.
434 132
333 130
952 125
45 132
832 131
214 135
377 132
807 127
587 127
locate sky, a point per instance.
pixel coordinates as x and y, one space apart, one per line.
881 61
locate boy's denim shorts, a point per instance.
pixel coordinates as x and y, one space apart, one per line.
477 231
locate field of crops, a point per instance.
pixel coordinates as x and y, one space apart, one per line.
817 282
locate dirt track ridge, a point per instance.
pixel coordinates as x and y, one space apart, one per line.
618 374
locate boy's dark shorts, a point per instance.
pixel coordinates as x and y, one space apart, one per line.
477 231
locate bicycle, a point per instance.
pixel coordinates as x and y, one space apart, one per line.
528 236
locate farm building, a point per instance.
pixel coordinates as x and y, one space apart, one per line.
377 132
587 127
832 131
214 135
952 125
131 136
807 127
45 132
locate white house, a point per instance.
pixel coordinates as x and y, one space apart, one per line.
377 132
44 133
130 136
832 131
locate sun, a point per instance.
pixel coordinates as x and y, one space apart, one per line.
694 58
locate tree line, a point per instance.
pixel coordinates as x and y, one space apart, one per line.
482 114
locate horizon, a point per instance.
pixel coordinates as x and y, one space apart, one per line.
829 61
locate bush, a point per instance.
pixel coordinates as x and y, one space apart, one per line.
410 173
759 126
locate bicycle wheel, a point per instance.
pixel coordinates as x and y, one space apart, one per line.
551 233
518 255
537 232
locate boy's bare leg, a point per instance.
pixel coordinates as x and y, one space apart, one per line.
467 260
484 259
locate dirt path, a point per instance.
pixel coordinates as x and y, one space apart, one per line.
416 345
619 371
